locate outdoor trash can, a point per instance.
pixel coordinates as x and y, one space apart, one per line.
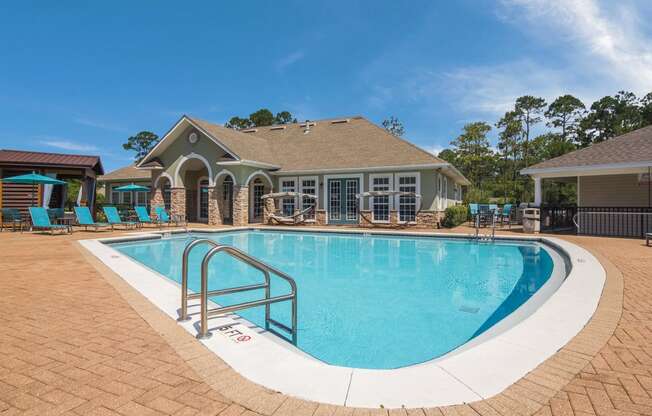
531 220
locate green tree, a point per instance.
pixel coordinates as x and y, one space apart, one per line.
284 117
394 126
474 156
610 117
141 143
509 137
646 110
238 123
565 113
449 156
260 118
529 109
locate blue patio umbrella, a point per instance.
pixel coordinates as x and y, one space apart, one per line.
33 179
132 188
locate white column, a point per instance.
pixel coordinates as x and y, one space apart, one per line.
537 191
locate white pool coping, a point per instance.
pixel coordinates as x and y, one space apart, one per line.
477 370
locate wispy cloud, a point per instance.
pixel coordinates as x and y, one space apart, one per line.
289 60
68 145
98 124
434 149
603 40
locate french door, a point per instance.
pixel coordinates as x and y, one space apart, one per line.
342 203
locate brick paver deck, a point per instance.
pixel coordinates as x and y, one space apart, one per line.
75 339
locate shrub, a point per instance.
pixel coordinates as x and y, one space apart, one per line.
455 215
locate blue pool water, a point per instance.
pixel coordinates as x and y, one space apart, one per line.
369 301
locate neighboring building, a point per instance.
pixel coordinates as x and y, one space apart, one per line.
613 183
217 175
57 165
124 176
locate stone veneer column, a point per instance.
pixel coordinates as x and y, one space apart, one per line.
269 208
214 206
156 200
430 219
178 202
240 205
320 217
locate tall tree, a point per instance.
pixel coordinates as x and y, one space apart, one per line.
238 123
511 132
646 110
141 143
610 117
449 156
565 113
262 117
394 126
529 109
473 152
284 117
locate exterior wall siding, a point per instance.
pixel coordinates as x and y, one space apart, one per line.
613 191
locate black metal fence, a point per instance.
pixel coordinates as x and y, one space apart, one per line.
599 221
614 221
557 218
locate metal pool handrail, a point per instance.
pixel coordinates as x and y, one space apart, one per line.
205 313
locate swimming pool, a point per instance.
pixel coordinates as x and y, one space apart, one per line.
371 301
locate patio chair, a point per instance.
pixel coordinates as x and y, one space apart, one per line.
648 236
506 214
144 218
85 219
55 213
113 217
163 217
473 210
40 219
485 213
11 217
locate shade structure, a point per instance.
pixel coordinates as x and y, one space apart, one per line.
33 179
131 188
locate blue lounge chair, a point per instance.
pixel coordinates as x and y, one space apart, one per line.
113 217
143 216
506 214
163 216
85 219
41 220
11 217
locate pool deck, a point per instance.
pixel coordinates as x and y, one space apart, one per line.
76 339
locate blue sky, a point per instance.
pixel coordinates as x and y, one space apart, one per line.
81 77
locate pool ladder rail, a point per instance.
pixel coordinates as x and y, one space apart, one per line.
206 313
476 223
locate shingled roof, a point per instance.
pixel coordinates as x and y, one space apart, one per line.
128 173
27 158
632 147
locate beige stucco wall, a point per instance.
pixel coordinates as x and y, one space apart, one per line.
612 191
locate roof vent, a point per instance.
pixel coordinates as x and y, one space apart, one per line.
249 131
278 128
307 126
340 121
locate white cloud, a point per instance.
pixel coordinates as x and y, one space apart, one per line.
602 39
68 145
435 149
289 60
98 125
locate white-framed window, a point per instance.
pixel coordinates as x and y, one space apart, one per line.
309 185
259 204
445 192
142 198
407 205
167 195
381 205
202 190
126 198
287 204
115 195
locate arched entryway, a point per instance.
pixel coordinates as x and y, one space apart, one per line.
192 193
259 184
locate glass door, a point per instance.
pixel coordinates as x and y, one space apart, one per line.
342 203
